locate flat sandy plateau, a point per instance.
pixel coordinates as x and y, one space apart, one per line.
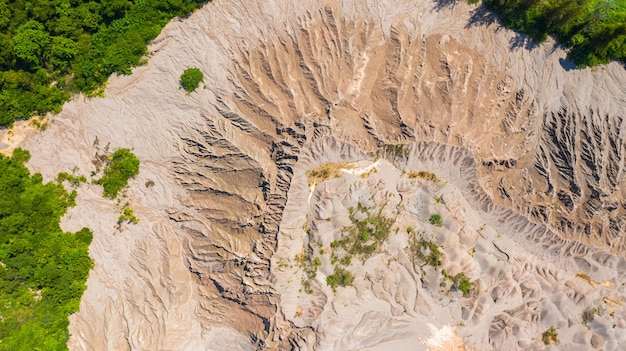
522 157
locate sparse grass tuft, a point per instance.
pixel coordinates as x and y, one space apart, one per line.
589 314
340 277
309 265
459 282
550 336
423 175
436 220
364 236
397 151
424 252
326 171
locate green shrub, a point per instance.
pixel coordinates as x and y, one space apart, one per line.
123 165
436 220
127 215
191 78
550 336
340 277
424 252
459 282
74 180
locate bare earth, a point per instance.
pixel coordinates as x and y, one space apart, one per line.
530 160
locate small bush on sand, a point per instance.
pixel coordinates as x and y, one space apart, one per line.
191 78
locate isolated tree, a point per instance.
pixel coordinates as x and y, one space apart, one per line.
191 78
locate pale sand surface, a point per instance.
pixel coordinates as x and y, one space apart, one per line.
15 135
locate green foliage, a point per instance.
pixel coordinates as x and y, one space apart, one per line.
594 30
30 43
364 236
360 239
127 215
340 277
191 78
43 269
309 266
74 180
550 336
50 49
424 252
436 220
123 165
459 282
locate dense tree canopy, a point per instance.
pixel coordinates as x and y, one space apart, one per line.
593 30
50 49
42 269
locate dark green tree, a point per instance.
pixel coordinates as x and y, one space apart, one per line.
191 78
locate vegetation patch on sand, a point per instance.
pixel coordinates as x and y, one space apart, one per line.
550 336
340 277
309 265
459 282
327 171
369 230
43 269
436 220
127 215
191 78
424 252
364 236
123 165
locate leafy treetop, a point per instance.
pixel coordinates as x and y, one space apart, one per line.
123 165
191 78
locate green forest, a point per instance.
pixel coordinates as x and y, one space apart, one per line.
43 270
593 30
50 49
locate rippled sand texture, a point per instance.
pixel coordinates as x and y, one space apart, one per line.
526 280
533 154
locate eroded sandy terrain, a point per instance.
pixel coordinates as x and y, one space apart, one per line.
531 156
